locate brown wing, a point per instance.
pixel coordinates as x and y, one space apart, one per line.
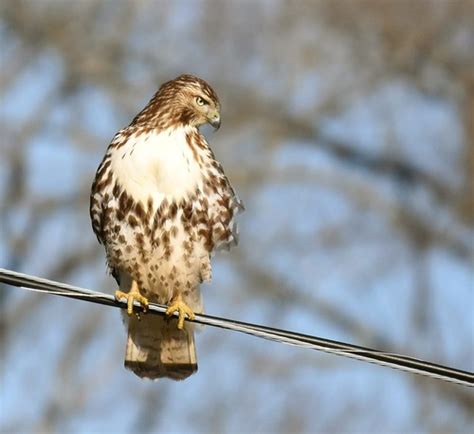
224 206
96 205
225 232
102 185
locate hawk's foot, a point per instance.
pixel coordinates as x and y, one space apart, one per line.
131 296
178 305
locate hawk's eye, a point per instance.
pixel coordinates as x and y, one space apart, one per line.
201 101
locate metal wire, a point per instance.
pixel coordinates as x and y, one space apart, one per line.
396 361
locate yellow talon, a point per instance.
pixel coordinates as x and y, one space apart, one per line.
131 296
178 305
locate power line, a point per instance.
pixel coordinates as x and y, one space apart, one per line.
397 361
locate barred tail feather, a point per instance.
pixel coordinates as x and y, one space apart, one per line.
157 349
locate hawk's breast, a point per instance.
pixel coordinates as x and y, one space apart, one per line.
157 165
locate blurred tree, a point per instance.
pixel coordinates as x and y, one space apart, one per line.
348 130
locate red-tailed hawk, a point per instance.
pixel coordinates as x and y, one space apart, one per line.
160 205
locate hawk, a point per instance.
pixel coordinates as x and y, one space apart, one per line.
161 205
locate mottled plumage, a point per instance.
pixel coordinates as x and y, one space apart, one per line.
160 205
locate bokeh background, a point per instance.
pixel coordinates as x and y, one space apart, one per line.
348 131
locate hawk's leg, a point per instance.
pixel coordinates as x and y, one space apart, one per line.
131 296
178 305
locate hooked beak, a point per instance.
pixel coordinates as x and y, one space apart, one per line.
215 121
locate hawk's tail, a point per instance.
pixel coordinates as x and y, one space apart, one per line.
156 348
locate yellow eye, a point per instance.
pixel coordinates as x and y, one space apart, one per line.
200 101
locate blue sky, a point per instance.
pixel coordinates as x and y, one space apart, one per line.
325 231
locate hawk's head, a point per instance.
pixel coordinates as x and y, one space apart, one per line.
186 100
